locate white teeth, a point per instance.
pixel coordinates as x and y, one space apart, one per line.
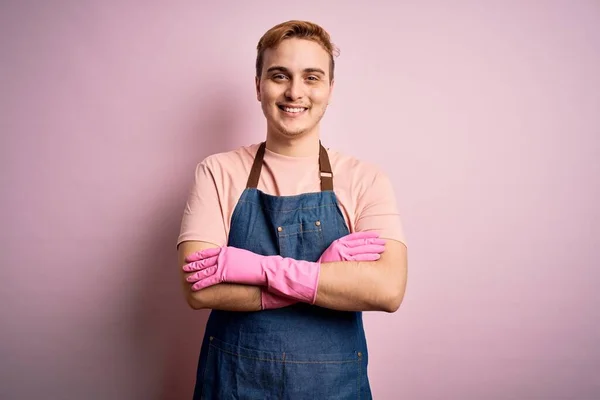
293 110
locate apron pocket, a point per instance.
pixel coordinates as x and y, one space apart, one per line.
302 241
324 377
234 372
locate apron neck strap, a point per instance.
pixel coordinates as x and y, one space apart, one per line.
325 169
326 174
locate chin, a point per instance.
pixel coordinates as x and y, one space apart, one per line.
289 131
294 132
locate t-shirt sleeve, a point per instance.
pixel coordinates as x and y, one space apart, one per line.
203 217
377 209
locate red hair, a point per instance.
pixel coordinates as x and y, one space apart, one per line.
295 29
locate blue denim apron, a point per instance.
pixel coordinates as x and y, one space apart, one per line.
297 352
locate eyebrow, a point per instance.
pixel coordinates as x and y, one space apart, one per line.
284 69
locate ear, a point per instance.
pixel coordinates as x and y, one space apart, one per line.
257 84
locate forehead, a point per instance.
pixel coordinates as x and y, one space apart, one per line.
297 55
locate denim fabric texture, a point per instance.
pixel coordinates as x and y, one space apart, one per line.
297 352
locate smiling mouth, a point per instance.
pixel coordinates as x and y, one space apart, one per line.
292 110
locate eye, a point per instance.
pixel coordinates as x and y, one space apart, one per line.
313 78
279 76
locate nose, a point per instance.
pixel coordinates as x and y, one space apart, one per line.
295 89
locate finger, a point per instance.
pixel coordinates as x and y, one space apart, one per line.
200 275
204 283
199 265
193 278
189 278
199 255
366 257
361 242
360 235
368 248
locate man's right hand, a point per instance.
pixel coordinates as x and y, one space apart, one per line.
358 246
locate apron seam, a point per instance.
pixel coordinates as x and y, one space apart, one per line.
290 210
277 360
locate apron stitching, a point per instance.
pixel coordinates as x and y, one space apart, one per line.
202 394
358 377
283 360
301 231
290 210
302 242
283 375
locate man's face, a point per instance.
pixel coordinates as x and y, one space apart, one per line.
294 87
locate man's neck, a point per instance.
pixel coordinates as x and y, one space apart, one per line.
303 146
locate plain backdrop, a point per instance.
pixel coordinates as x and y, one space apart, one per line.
485 114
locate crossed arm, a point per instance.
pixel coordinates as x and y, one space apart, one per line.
345 285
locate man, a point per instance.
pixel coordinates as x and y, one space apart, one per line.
288 242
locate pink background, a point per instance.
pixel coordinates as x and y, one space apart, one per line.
486 115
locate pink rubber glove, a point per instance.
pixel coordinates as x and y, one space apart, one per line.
293 279
283 276
358 246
